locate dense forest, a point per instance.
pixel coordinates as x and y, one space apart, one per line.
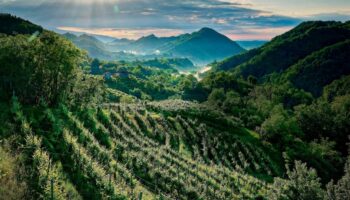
269 123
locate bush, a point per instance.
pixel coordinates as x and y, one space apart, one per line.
341 190
303 184
11 186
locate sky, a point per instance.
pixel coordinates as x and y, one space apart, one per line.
237 19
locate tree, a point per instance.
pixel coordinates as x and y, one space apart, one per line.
302 184
232 101
252 80
324 119
95 67
188 83
88 90
280 127
216 97
45 68
341 190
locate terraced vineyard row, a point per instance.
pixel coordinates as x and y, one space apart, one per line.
47 176
126 153
127 119
204 143
147 161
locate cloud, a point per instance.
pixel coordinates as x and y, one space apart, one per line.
257 33
238 18
329 16
124 33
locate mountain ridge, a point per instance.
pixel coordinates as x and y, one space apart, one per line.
203 46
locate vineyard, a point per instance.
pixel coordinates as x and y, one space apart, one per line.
140 151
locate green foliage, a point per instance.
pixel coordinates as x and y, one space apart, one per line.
280 128
326 120
11 176
252 80
87 90
302 183
43 69
216 96
172 64
50 180
338 87
149 83
95 66
341 189
90 122
226 81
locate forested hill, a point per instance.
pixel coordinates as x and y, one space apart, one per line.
285 50
311 56
13 25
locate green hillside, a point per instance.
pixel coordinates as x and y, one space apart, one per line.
13 25
287 49
321 68
310 56
251 44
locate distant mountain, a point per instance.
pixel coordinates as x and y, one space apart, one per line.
12 25
204 46
144 45
118 44
97 49
310 56
201 47
93 46
70 36
104 39
251 44
150 44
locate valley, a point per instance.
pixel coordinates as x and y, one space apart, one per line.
188 117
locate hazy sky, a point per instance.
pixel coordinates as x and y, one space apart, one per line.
238 19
